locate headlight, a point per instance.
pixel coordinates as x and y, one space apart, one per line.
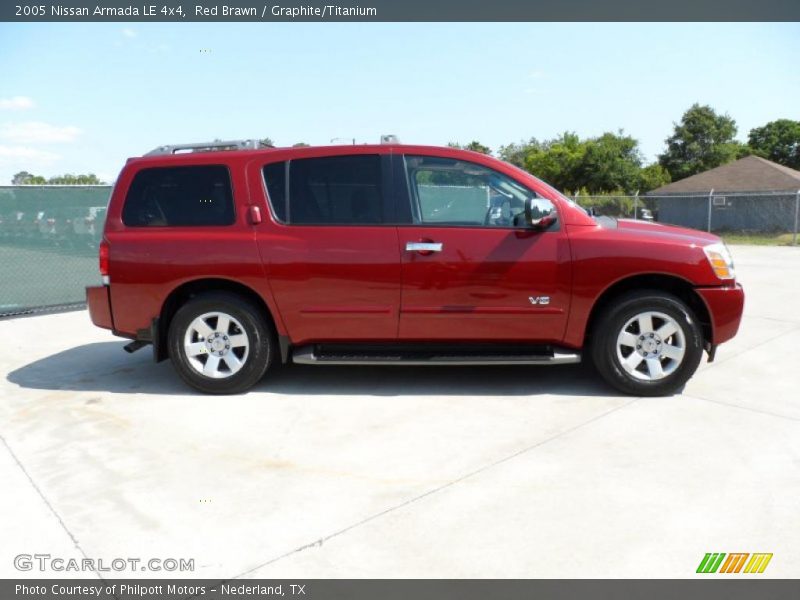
719 257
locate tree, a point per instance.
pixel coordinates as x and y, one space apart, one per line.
25 178
558 161
474 145
515 153
70 179
266 142
610 163
701 141
778 141
652 177
300 145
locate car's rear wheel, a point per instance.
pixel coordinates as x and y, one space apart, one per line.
647 343
220 344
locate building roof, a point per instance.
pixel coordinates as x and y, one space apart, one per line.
748 174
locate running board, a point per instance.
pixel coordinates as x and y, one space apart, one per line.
339 354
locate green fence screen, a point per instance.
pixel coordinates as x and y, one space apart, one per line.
48 245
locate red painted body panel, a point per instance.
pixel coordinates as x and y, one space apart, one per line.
725 305
147 264
334 283
477 287
357 283
604 256
330 283
99 306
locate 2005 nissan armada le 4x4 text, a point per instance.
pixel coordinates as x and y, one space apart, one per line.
229 258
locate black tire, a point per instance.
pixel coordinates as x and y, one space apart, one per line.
260 339
608 356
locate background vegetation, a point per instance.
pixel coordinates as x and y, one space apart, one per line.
611 163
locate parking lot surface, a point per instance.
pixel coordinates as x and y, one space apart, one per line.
404 472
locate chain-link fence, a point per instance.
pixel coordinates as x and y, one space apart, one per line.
760 213
48 245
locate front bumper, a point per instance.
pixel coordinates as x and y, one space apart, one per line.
725 305
99 303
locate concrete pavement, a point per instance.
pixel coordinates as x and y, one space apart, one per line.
404 472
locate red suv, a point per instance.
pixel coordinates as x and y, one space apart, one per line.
229 258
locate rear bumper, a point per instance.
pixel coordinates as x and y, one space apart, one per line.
725 305
99 303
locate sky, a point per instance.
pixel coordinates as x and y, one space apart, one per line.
78 98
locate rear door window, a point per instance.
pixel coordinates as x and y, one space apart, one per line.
190 196
333 190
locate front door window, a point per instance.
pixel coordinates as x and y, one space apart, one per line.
452 192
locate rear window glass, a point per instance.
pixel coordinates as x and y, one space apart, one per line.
180 197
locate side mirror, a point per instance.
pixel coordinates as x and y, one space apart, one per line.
537 223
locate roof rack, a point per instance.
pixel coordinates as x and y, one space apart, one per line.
204 146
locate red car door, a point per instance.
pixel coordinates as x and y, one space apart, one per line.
330 249
470 273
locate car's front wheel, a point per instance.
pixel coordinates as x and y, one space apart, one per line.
647 343
220 344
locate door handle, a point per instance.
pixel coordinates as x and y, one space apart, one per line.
255 215
423 247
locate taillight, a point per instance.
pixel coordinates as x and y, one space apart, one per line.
103 259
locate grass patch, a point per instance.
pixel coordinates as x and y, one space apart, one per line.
758 239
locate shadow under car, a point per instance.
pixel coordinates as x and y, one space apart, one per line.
104 366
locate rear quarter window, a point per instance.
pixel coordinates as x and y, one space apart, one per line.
275 178
191 196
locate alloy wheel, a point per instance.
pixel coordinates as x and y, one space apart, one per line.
216 345
651 346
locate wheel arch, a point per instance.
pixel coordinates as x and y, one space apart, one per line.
677 286
190 289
